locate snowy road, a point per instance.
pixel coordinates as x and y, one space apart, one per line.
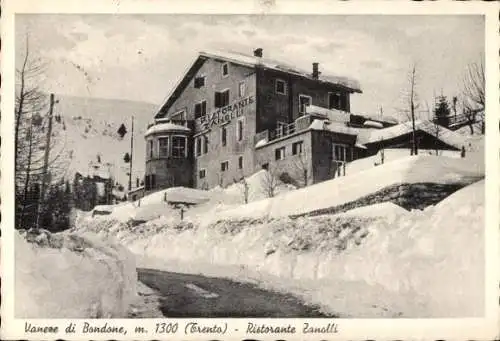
184 295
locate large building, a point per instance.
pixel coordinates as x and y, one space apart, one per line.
233 114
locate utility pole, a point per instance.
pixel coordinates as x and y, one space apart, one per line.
131 156
45 163
412 112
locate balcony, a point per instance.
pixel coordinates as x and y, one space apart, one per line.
300 124
282 131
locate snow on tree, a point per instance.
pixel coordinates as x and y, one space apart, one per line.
442 111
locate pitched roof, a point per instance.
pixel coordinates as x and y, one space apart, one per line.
367 136
250 61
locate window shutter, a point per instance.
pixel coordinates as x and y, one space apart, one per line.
217 99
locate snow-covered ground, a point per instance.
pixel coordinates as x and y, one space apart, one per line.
363 179
73 276
391 155
158 204
411 169
372 261
386 262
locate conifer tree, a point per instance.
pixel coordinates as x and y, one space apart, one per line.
442 111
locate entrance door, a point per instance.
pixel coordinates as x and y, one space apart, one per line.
341 154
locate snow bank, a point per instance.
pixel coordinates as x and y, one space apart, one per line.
177 194
404 263
207 203
391 155
338 191
69 276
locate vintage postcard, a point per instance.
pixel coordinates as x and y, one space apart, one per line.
264 170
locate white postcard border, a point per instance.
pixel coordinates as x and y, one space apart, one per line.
354 329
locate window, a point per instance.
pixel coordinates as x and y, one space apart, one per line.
198 145
150 147
340 152
240 162
297 148
242 89
200 109
202 173
337 100
146 183
179 146
280 87
304 101
224 166
280 153
224 136
239 130
221 98
163 147
199 82
265 166
225 69
280 129
205 144
153 181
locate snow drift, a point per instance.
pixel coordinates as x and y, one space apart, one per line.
338 191
404 263
72 276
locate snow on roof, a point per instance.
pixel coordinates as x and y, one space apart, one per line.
337 127
240 58
373 124
261 143
367 136
378 118
96 169
163 127
344 116
330 114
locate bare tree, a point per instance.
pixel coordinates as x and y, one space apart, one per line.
474 95
269 183
301 163
29 97
245 188
33 139
412 107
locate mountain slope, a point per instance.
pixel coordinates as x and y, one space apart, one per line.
90 126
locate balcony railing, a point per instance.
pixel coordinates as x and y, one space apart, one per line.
282 131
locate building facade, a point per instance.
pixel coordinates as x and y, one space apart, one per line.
233 114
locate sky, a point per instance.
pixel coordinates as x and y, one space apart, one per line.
141 57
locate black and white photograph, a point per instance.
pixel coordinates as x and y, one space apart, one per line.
321 166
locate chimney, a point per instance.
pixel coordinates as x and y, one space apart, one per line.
315 74
257 52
